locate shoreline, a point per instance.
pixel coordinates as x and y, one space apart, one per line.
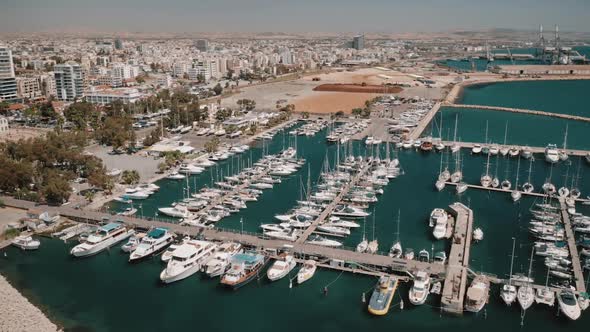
20 314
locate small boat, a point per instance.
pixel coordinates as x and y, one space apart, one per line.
436 288
176 211
244 268
478 234
26 243
508 294
175 176
321 241
477 294
382 295
133 242
476 149
128 212
568 304
462 187
156 240
545 296
424 256
551 154
438 215
440 258
281 267
306 271
409 254
420 289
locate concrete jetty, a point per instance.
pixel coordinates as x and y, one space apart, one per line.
571 243
520 110
424 122
455 283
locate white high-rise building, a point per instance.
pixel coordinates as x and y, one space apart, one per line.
8 90
69 81
124 71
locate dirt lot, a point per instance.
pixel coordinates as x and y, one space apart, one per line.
16 133
357 88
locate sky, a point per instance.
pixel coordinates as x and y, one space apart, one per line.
335 16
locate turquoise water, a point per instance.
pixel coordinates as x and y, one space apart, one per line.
523 129
565 97
105 293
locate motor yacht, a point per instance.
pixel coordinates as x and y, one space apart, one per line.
186 260
106 236
306 271
420 289
221 259
25 242
176 211
551 154
281 267
156 240
133 242
477 294
244 268
568 304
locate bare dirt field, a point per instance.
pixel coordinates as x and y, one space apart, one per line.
17 133
332 102
357 88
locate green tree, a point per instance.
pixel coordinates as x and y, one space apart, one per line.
357 112
89 195
212 145
130 177
218 89
162 167
56 190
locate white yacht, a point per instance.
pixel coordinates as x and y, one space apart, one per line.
440 224
307 271
26 243
281 267
525 296
349 212
508 293
420 289
176 211
568 304
551 154
321 241
103 238
155 240
175 176
221 259
477 294
476 149
187 260
190 169
436 215
133 242
167 254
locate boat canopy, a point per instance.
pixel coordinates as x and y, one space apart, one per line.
110 226
248 258
157 233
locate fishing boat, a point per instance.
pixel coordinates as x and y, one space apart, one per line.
281 267
420 288
477 294
382 295
156 240
104 237
25 242
244 268
186 260
306 271
568 304
221 259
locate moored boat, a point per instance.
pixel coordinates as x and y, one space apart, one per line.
382 295
244 268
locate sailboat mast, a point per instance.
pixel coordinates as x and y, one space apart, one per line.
455 134
517 173
512 261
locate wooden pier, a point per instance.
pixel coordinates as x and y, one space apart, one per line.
520 110
573 249
455 283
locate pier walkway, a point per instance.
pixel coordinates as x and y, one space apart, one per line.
328 210
521 110
455 283
370 262
571 243
424 122
470 145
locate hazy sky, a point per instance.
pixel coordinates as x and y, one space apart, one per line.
289 15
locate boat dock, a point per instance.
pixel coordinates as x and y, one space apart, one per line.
520 110
424 122
346 259
330 208
573 249
455 283
470 145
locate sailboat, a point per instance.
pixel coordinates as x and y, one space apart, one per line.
495 180
504 149
506 184
396 248
457 175
486 148
364 244
508 293
455 147
564 192
563 153
528 186
548 187
374 244
443 176
516 194
545 295
526 293
486 179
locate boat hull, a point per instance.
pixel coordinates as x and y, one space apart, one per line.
103 245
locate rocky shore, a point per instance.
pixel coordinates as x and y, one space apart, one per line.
18 314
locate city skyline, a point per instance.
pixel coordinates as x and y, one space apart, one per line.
254 16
